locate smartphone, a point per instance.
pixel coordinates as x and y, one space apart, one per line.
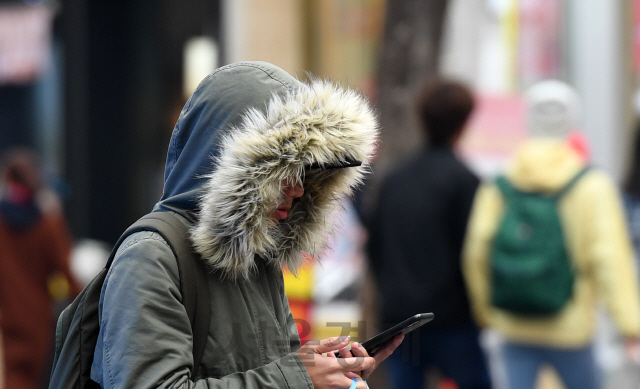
416 321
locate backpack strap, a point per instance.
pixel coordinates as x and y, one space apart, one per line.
193 282
507 189
567 187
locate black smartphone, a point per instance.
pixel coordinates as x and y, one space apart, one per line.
416 321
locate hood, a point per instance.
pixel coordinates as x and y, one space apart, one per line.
543 165
247 127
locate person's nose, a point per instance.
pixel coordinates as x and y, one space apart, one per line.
296 190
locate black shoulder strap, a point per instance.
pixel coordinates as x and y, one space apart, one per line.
193 282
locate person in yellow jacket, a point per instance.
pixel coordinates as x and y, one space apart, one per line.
597 242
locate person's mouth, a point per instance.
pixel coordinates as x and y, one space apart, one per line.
283 212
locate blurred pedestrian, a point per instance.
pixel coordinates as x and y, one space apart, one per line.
631 196
415 242
631 188
595 241
34 249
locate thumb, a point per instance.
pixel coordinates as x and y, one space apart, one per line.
331 344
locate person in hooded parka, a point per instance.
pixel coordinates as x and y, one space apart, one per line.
256 163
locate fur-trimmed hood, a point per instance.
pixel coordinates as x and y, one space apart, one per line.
248 126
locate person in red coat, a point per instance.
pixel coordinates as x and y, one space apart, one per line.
35 246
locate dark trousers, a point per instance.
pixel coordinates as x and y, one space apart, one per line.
455 352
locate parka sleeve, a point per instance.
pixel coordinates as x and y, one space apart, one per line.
483 220
609 252
145 337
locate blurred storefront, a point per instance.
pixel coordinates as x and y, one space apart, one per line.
97 87
30 80
502 47
329 38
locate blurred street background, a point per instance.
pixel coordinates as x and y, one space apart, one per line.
95 87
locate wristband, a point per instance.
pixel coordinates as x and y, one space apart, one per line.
355 383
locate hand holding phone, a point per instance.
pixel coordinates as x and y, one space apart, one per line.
414 322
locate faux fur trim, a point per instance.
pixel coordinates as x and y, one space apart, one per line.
316 123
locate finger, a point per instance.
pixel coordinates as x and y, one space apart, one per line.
332 344
358 351
357 363
387 350
345 353
352 375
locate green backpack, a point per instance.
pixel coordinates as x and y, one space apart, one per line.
531 272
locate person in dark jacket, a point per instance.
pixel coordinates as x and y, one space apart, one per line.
256 162
416 235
